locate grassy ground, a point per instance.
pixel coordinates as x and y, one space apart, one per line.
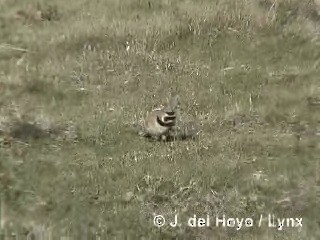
72 84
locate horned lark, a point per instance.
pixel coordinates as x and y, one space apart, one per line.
165 123
159 121
158 124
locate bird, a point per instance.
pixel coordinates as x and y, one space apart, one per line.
158 123
166 123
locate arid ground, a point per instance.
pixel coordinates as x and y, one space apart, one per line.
75 75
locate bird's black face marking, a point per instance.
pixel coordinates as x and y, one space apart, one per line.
169 118
167 122
170 113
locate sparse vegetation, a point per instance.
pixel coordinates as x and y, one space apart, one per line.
75 76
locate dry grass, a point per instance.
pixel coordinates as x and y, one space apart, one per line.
74 77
